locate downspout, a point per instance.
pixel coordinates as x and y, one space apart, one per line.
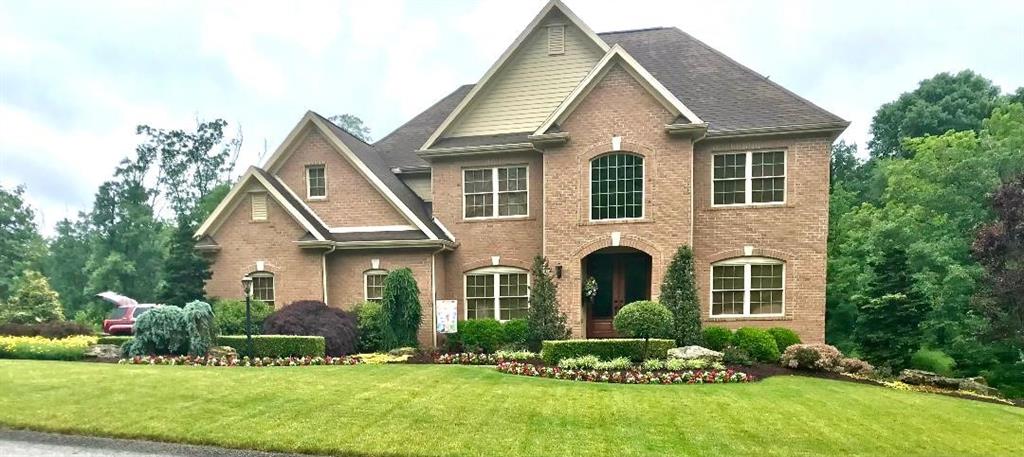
433 294
323 268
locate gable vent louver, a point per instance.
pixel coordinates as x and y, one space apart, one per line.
556 39
259 206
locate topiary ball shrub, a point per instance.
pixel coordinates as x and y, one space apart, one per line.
813 357
161 331
645 319
717 338
514 334
784 337
315 318
758 343
202 332
229 316
480 335
370 323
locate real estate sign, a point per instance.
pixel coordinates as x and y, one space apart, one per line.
447 316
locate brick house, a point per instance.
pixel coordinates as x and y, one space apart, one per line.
604 152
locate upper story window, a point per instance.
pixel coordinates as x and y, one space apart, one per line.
263 287
497 293
617 187
749 177
316 181
747 287
259 206
373 285
495 192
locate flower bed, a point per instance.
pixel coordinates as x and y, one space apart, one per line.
626 377
476 358
39 348
241 362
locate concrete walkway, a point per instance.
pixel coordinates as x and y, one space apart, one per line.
20 443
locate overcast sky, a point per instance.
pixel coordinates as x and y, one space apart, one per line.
77 77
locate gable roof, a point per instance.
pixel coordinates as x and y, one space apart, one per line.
617 56
398 148
491 72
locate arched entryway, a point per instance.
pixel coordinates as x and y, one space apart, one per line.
622 275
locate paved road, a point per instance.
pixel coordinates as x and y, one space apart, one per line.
19 443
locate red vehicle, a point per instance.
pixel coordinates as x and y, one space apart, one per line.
121 320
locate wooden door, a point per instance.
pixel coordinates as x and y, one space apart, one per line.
621 279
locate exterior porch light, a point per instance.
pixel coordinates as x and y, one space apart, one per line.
558 271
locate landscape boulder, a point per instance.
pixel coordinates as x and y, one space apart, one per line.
927 378
104 352
694 352
223 351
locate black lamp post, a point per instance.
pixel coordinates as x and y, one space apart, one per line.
247 287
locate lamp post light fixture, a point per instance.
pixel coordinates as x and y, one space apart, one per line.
247 288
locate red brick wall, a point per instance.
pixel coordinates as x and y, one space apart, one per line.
351 200
244 242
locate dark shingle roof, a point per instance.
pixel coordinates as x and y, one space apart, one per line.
724 93
481 140
399 147
290 197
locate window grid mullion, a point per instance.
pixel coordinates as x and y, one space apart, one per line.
748 193
494 192
746 289
497 296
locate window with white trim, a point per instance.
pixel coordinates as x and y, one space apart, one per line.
495 192
373 285
259 206
263 287
754 177
617 187
497 293
316 181
748 287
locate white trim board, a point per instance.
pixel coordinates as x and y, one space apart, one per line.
480 85
617 55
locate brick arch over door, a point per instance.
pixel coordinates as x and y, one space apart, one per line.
658 260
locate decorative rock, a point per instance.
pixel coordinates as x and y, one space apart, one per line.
927 378
694 352
104 352
970 385
223 351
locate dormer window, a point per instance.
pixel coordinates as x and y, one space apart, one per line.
556 39
316 181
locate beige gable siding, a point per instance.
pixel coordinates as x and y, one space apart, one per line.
531 84
419 184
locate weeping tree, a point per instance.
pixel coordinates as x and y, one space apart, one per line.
401 312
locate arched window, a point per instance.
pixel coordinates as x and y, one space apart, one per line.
263 287
748 286
617 187
500 293
373 284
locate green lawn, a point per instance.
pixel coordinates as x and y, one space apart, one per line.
468 411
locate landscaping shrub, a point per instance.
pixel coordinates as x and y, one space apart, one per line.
717 338
115 340
39 348
784 337
577 363
644 319
736 356
758 343
32 301
161 331
693 364
814 357
618 363
516 355
679 295
480 335
400 309
277 345
369 323
633 349
229 316
200 326
934 361
857 366
315 318
53 330
514 334
545 319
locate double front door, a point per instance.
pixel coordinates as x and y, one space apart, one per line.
621 278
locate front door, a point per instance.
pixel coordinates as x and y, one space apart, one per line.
621 279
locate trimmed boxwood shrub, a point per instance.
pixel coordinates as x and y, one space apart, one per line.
315 318
554 351
480 335
370 322
717 338
515 333
109 339
229 316
784 337
52 330
758 343
277 345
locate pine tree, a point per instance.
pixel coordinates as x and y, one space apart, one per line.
185 271
400 309
33 301
679 295
889 320
545 320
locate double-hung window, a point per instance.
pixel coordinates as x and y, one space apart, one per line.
497 293
495 192
263 287
316 181
754 177
373 285
747 287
